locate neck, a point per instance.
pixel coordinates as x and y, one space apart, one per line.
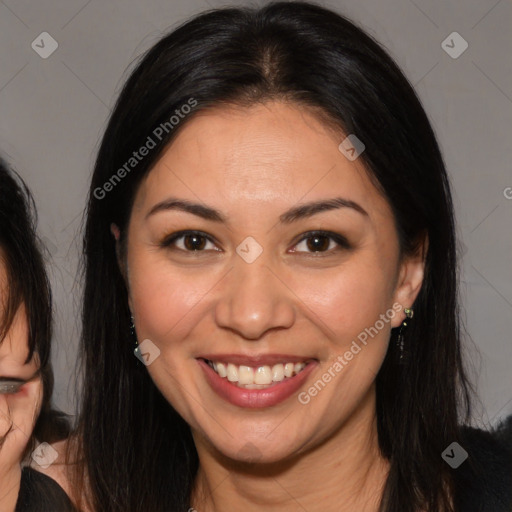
9 488
345 472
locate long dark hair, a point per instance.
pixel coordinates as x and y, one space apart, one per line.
27 283
139 453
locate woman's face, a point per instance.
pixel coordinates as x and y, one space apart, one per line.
261 291
18 410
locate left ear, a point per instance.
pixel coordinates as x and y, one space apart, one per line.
410 279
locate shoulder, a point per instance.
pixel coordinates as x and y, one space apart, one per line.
56 475
503 432
58 469
39 493
484 480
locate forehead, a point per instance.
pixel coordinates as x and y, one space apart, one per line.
273 154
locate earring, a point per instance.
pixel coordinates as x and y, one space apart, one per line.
403 354
133 335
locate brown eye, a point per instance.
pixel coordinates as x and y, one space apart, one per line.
187 241
318 243
194 242
322 242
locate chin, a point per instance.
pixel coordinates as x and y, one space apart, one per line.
258 451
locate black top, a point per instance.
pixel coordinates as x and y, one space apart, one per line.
483 480
40 493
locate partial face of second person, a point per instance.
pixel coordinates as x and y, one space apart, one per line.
18 410
302 299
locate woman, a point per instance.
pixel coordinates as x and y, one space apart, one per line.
27 421
275 372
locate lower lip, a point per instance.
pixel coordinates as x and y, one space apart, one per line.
255 398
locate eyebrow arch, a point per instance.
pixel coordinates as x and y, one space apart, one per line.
297 212
309 209
205 212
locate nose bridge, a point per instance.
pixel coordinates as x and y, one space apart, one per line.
253 300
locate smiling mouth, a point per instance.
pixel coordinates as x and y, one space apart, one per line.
256 377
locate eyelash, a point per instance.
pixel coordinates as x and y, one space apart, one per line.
10 387
338 239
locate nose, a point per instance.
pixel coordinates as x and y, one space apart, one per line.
254 300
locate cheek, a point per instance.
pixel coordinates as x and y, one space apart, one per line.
25 391
163 298
32 391
347 299
25 405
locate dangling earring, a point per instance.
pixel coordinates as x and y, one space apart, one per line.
403 354
133 335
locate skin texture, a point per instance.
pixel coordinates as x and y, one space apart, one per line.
253 164
20 409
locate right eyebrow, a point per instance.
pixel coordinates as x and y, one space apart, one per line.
205 212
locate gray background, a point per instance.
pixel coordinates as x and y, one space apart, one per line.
53 112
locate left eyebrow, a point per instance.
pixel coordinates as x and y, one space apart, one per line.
309 209
298 212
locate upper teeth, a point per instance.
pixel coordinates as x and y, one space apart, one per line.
262 375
